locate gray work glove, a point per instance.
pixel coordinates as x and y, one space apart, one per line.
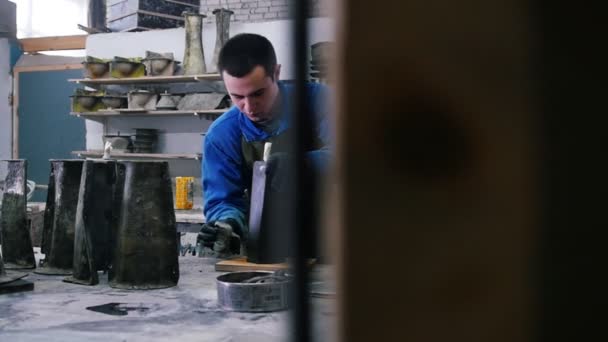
219 239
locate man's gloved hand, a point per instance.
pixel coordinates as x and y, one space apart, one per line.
219 239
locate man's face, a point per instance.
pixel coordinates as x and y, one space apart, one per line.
255 93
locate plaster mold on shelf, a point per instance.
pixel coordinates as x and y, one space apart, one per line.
142 100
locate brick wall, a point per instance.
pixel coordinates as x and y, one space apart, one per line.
259 10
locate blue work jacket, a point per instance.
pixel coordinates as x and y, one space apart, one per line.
225 173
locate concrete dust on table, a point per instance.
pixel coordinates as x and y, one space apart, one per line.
57 311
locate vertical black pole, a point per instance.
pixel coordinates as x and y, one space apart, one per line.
301 312
571 67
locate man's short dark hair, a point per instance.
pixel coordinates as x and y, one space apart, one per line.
243 52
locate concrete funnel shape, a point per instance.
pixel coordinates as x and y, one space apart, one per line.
145 250
95 219
60 216
16 242
8 276
167 101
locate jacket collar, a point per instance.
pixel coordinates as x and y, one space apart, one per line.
253 133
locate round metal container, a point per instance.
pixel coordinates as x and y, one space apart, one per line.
235 294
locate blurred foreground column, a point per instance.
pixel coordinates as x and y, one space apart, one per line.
436 164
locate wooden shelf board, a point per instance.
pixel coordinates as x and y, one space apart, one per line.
108 113
149 79
93 154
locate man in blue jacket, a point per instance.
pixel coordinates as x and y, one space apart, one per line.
262 112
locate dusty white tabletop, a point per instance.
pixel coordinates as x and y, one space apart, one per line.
56 311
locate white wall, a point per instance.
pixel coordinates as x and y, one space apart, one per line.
134 44
182 134
5 109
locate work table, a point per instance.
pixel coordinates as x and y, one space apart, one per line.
191 216
56 311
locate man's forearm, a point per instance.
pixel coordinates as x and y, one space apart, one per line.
226 212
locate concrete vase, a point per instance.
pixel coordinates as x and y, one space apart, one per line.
194 58
222 20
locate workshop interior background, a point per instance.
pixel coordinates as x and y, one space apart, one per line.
46 47
470 192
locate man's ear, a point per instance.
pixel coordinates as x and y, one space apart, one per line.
277 72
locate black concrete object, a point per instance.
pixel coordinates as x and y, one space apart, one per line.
16 286
137 15
60 216
95 219
145 140
145 250
118 309
269 218
16 241
8 276
96 14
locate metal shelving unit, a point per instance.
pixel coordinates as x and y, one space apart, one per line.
103 115
162 156
147 79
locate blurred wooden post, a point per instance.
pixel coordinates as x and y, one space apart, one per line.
436 167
